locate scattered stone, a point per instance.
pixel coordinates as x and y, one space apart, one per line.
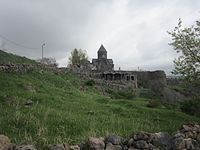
28 103
95 144
4 142
163 140
141 136
25 147
59 147
141 144
131 143
114 139
198 138
179 143
110 146
187 138
191 134
179 135
74 147
29 87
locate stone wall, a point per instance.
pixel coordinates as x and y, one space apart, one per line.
186 138
24 68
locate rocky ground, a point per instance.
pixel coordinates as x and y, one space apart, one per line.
187 138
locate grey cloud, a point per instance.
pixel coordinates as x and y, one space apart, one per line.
133 31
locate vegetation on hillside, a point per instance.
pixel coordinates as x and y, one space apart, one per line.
78 57
41 108
62 111
11 58
186 41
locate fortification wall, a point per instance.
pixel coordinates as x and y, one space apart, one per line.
24 68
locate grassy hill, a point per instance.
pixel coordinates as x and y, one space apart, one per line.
64 110
11 58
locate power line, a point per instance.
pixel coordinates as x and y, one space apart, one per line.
17 44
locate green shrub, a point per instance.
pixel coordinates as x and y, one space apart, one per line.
191 107
90 82
154 103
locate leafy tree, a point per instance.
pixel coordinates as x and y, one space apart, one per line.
186 41
78 57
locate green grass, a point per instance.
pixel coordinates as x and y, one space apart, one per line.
11 58
63 112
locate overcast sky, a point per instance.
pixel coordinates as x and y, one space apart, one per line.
132 31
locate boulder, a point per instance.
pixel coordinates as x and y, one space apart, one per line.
114 139
191 144
110 146
163 140
131 143
4 142
59 147
141 144
28 103
95 144
74 147
179 143
141 136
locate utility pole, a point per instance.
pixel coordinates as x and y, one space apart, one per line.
42 52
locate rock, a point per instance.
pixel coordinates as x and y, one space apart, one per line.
95 144
163 140
114 139
190 127
152 147
59 147
141 144
4 142
141 136
131 143
191 144
179 143
110 146
198 137
28 103
179 135
74 147
191 134
25 147
29 87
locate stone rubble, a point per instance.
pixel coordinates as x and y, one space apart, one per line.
187 138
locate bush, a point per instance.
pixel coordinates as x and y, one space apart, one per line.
154 103
90 82
191 107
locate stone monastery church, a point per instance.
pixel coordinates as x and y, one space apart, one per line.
102 63
103 68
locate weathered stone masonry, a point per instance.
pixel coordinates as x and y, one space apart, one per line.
103 69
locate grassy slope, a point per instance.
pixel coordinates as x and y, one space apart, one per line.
11 58
61 112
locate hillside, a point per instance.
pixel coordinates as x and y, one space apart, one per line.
41 107
11 58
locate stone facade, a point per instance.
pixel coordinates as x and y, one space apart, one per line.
103 68
102 63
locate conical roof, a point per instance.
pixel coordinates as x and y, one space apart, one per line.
102 49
